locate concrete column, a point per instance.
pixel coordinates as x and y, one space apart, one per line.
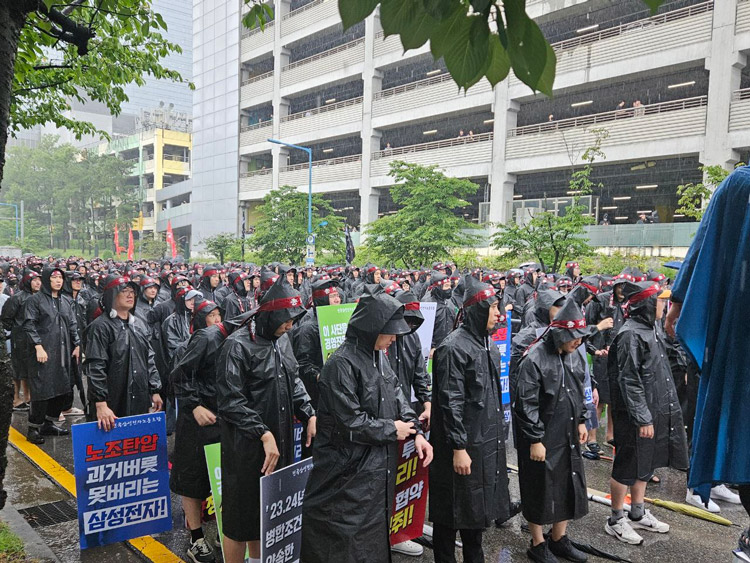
501 183
280 158
725 67
373 79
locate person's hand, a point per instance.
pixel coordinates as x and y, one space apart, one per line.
595 397
601 353
509 307
583 434
538 452
647 431
41 355
156 403
105 418
311 430
461 462
424 418
432 352
76 352
672 316
605 324
203 416
424 450
404 429
272 453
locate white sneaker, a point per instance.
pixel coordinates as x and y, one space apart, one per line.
410 548
722 492
649 522
623 531
427 532
695 500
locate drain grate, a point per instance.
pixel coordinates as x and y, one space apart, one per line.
49 514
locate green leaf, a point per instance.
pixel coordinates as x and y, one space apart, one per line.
409 19
480 6
445 32
653 4
354 11
499 63
440 9
468 53
528 50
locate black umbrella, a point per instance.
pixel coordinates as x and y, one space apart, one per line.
591 550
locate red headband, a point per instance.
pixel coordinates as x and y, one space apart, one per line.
203 305
323 292
283 303
580 323
481 296
413 306
116 282
658 278
210 272
645 294
590 287
269 282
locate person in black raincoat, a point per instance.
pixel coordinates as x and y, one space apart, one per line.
209 283
648 426
175 330
165 288
73 288
259 393
50 325
526 290
149 290
468 480
363 413
194 383
439 292
550 414
22 356
236 303
119 364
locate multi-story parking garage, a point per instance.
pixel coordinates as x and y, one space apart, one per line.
670 90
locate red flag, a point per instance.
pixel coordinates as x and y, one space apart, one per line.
170 239
131 246
118 248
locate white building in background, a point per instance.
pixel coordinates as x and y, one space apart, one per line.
671 90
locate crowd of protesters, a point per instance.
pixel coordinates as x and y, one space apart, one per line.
236 348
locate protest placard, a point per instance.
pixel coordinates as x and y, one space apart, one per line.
332 321
122 480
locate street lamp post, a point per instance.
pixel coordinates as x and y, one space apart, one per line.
310 236
16 208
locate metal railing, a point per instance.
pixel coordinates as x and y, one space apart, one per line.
177 157
743 94
324 54
254 31
317 163
321 109
251 173
254 126
257 78
302 9
608 116
439 79
666 17
148 157
456 141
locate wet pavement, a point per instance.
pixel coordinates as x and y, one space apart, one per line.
690 539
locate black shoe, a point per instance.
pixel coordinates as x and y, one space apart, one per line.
594 447
21 407
513 509
541 553
50 429
201 552
33 436
591 455
563 548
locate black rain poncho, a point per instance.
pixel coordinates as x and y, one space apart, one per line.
467 415
350 491
22 354
445 313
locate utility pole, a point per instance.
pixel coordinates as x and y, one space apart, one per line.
22 230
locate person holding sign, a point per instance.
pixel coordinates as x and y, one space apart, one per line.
550 416
259 394
363 415
468 481
120 367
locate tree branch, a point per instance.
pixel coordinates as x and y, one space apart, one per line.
41 86
71 31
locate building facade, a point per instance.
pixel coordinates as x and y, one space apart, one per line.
665 92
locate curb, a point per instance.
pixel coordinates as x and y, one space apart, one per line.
33 544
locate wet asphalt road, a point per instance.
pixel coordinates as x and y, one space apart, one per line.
690 539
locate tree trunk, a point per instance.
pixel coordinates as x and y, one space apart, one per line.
12 19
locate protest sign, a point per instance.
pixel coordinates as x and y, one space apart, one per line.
281 496
502 339
122 480
332 321
410 497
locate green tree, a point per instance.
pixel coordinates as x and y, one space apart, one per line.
281 229
153 246
694 198
426 227
53 51
220 245
553 238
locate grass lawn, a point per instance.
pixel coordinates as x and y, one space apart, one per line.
11 546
